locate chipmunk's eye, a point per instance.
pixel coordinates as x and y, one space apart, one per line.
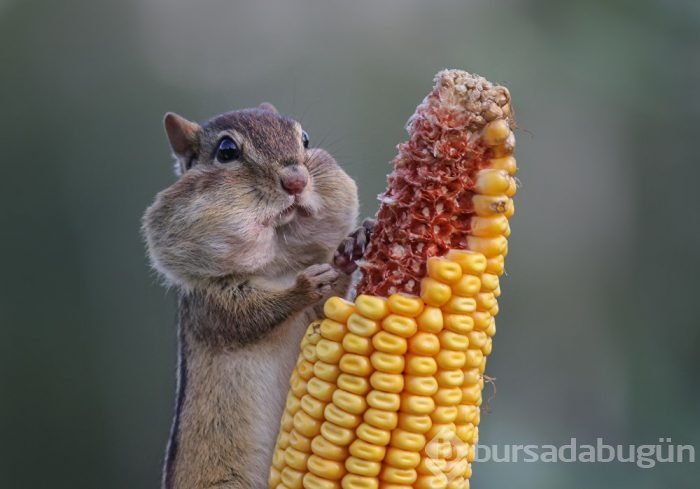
305 138
227 151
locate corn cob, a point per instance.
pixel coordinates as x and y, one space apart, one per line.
387 390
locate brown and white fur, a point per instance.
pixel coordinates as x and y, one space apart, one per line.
251 262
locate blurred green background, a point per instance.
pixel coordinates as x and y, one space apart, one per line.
598 335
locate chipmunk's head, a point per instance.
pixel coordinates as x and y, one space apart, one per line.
252 197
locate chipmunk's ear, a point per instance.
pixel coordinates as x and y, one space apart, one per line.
269 107
183 137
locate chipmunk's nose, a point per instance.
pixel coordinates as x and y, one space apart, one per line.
294 180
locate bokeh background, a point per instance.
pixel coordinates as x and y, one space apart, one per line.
599 335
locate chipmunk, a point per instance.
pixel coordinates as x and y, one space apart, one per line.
246 235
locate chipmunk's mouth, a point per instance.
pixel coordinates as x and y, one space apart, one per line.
288 214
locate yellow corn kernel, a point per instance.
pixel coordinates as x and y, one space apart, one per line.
481 320
420 365
497 291
459 323
485 301
372 307
512 187
449 396
465 432
415 423
450 378
471 262
353 481
297 385
283 439
506 163
444 270
340 417
415 404
467 286
353 384
287 422
274 477
456 483
405 305
295 459
309 353
407 440
328 469
326 371
496 264
312 406
460 305
337 434
473 358
471 376
365 468
386 401
386 485
353 343
395 475
496 132
399 325
466 414
510 209
490 205
430 320
387 382
329 351
442 431
491 246
494 310
372 434
431 482
349 402
361 325
491 329
453 341
333 330
306 425
424 343
389 343
447 359
386 362
292 405
489 282
312 481
471 394
423 386
381 419
338 309
491 182
402 459
354 364
327 450
292 479
320 389
299 442
486 226
477 339
488 346
434 293
444 414
429 464
278 459
366 451
305 370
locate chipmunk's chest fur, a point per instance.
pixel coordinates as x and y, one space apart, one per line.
229 406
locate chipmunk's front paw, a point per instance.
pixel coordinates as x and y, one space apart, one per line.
353 247
318 280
